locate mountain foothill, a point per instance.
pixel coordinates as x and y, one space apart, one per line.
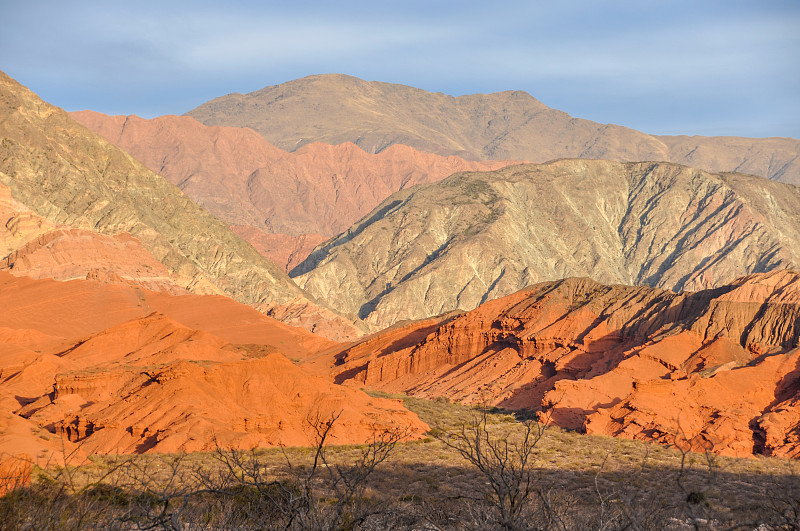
179 283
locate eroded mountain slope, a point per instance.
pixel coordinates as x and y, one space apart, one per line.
478 236
116 368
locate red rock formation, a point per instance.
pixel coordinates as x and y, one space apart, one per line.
69 253
118 368
716 369
187 406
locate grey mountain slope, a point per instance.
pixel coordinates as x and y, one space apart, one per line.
510 125
478 236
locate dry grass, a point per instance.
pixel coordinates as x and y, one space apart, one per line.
591 482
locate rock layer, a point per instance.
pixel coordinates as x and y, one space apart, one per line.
717 369
506 125
477 236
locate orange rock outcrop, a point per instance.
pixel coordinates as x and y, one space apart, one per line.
717 369
115 368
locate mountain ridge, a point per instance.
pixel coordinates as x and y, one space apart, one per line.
509 125
233 171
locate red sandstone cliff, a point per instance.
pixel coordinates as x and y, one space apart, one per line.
719 368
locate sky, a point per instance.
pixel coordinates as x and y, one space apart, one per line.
663 67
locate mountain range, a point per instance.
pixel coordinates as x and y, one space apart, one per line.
509 125
270 196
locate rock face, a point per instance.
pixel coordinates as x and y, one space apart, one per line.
72 177
477 236
116 368
504 126
233 172
67 254
717 369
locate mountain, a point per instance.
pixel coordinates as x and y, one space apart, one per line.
71 177
311 194
508 125
115 368
34 247
713 370
477 236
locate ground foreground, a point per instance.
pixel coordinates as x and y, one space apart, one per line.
569 481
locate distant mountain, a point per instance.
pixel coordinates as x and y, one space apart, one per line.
59 172
311 194
715 370
477 236
508 125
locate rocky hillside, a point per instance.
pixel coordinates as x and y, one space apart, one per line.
477 236
503 126
715 370
74 178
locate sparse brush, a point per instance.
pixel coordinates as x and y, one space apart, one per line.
558 480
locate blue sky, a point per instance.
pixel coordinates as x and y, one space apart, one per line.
671 67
